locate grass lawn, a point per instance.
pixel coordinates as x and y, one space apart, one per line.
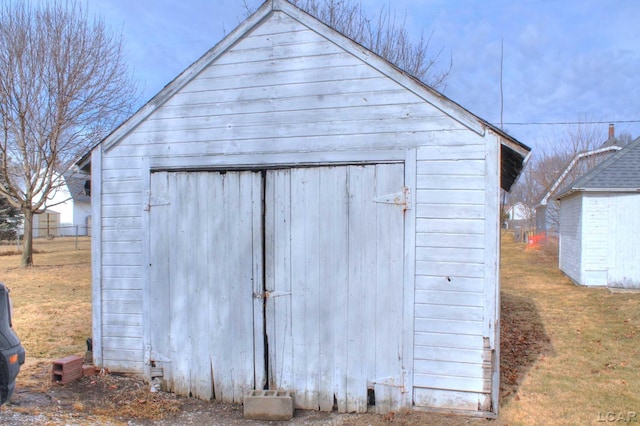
52 300
590 371
570 354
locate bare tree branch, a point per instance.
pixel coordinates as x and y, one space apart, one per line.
63 87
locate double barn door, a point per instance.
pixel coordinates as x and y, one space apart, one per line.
281 279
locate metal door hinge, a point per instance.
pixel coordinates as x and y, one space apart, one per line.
150 200
402 198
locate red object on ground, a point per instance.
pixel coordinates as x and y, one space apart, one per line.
537 240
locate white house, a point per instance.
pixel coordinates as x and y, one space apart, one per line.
546 212
293 212
67 210
600 224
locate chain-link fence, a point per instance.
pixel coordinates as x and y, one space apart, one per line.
63 237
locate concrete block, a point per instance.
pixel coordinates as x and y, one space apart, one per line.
67 369
268 405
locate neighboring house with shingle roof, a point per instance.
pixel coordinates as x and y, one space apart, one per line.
600 224
546 212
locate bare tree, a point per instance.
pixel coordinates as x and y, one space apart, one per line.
384 34
63 87
552 162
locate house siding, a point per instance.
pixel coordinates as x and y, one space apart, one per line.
595 237
623 245
598 245
571 237
284 95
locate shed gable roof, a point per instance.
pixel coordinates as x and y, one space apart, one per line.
618 173
513 153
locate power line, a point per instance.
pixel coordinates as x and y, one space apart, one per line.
558 123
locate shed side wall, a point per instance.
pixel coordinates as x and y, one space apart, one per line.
570 250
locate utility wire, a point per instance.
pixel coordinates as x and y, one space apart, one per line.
558 123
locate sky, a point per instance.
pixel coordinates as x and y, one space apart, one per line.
575 62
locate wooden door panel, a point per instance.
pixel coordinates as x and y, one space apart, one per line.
335 266
206 266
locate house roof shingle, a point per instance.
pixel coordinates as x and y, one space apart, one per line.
620 172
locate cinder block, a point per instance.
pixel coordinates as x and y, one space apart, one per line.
268 405
67 369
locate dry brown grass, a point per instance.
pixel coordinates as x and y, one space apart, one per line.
593 367
52 300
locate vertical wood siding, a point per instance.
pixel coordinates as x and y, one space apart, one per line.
203 281
335 268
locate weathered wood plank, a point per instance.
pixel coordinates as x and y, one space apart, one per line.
449 283
234 108
450 269
449 298
450 226
305 274
123 319
440 254
122 307
122 295
125 284
165 135
460 384
452 168
121 342
389 239
397 114
200 368
462 313
445 399
425 181
450 196
450 211
96 255
434 353
449 240
430 325
362 269
448 340
122 210
122 331
122 247
121 259
450 152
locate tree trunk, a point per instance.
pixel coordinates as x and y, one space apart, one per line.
27 241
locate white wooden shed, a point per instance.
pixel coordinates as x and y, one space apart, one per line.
600 224
293 212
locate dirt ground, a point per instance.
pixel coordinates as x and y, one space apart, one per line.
110 399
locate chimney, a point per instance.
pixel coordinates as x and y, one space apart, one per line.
612 131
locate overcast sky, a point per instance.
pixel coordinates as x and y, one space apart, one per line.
564 61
